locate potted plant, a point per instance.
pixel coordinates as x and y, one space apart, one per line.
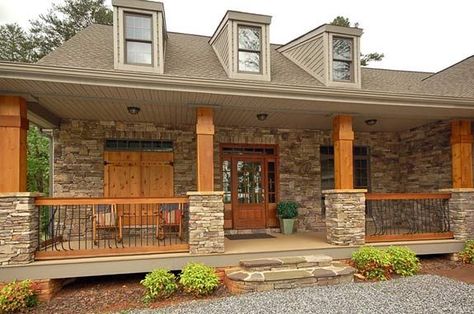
287 212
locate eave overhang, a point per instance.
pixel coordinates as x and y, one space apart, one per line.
34 72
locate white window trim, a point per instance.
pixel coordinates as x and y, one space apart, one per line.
356 81
260 52
157 42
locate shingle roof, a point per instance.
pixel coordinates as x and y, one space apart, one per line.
190 55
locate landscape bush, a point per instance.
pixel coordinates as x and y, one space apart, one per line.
17 295
160 283
379 264
467 254
287 209
404 261
198 279
372 263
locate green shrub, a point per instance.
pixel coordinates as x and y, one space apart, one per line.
404 261
17 295
372 263
160 283
198 279
467 254
287 209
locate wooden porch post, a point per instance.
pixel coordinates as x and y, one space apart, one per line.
205 149
461 153
13 131
343 137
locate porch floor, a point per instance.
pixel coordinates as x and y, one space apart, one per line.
280 242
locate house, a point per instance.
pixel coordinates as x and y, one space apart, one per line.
163 143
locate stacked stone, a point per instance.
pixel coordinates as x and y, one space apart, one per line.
345 216
286 273
461 213
18 228
206 222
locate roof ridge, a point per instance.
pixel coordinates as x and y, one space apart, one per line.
447 68
395 70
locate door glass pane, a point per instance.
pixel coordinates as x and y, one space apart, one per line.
226 181
249 182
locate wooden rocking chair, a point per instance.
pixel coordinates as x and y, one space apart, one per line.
170 221
104 217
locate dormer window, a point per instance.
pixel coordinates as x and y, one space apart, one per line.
342 59
250 45
242 45
138 38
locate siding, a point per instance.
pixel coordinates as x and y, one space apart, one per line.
310 56
221 47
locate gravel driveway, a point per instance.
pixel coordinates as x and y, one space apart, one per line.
419 294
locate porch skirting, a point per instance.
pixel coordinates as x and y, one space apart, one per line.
345 216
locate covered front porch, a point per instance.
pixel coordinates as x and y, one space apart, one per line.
191 166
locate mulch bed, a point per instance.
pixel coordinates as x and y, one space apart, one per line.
109 294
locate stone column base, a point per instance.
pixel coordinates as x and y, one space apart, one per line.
345 216
206 222
19 227
461 213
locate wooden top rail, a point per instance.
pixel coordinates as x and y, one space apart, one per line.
406 196
41 201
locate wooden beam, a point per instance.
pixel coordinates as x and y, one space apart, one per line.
343 138
13 131
461 154
205 149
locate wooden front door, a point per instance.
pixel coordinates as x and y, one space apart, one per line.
138 174
248 193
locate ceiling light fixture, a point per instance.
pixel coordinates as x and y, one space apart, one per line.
133 110
371 122
262 116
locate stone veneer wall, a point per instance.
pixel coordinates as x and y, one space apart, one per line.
18 228
300 167
417 160
425 158
79 154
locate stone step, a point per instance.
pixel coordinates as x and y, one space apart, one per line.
287 262
258 275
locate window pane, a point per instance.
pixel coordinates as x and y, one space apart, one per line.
249 61
138 52
341 70
249 38
342 49
138 27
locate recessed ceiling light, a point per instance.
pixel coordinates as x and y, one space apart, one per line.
133 110
262 116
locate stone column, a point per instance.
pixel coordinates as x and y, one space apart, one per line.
461 213
18 228
206 222
345 216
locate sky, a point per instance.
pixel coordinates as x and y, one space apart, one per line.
416 35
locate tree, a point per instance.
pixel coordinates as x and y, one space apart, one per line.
38 161
64 20
364 58
16 44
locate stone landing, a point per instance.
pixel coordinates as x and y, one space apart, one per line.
287 273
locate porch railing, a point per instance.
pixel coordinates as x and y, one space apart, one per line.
84 227
409 216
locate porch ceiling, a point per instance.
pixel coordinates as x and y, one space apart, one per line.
172 105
